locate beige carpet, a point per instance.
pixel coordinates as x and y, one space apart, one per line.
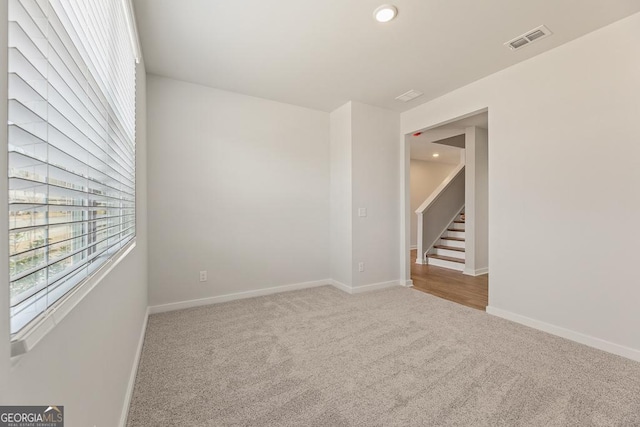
397 357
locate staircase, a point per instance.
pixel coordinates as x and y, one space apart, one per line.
448 252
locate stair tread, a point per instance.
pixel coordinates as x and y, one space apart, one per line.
455 229
458 222
446 258
449 248
457 239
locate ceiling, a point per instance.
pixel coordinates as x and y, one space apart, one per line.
321 54
424 145
480 120
422 150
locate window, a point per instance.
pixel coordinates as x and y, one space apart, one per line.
71 142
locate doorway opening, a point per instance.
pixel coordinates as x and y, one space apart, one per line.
446 209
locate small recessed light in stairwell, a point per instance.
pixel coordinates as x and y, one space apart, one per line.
436 155
385 13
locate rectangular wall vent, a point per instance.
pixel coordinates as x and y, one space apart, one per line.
408 96
528 37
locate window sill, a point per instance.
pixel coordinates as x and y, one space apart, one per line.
26 340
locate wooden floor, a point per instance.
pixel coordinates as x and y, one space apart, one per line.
451 285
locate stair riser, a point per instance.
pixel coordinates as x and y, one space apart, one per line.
454 243
457 226
454 234
446 264
450 253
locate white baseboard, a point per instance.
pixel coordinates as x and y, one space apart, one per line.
268 291
367 288
413 247
134 371
375 286
407 283
232 297
420 261
341 286
578 337
477 272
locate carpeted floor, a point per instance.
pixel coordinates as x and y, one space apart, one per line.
397 357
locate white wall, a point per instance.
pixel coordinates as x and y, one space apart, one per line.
239 187
5 348
476 202
482 202
341 196
424 178
365 174
85 362
564 166
376 179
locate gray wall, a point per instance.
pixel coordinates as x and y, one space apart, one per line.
442 211
5 349
239 187
424 178
341 196
376 184
477 201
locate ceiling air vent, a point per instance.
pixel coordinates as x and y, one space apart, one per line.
528 37
408 96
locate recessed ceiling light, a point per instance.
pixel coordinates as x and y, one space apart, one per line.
436 155
385 13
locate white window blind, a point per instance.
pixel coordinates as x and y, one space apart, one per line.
71 147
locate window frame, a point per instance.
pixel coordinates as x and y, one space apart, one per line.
41 325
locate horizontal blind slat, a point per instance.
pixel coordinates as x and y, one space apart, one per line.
15 156
130 218
22 116
123 227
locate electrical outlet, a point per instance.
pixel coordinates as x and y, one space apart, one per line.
361 267
203 276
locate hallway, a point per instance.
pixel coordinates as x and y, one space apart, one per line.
451 285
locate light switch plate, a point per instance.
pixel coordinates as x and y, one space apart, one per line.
362 212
